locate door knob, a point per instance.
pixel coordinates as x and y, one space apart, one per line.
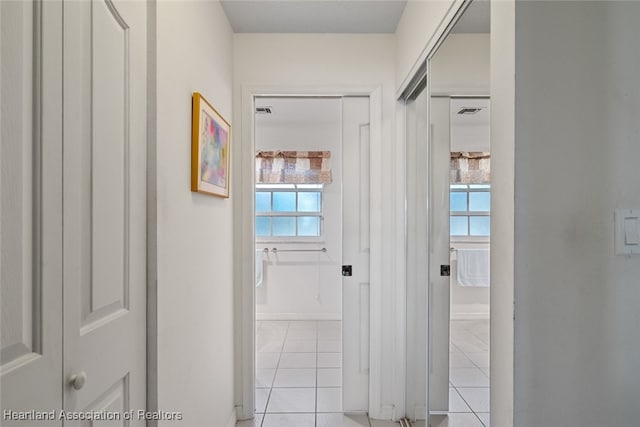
77 380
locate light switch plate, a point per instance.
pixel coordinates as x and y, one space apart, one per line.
627 226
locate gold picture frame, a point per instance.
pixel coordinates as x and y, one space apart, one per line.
210 149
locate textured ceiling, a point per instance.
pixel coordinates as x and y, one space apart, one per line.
314 16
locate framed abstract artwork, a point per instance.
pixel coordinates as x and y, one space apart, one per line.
210 149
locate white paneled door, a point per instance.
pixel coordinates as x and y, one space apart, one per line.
73 184
31 211
104 200
439 247
355 253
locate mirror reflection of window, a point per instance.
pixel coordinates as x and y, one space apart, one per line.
470 206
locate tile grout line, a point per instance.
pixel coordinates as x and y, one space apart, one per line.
475 365
278 369
315 417
273 381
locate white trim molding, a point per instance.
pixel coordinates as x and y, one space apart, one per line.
470 316
298 316
399 273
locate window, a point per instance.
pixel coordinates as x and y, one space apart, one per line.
470 206
288 211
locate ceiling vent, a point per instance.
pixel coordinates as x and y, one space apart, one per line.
263 110
469 110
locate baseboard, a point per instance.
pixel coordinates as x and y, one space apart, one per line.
386 412
419 412
469 316
231 422
298 316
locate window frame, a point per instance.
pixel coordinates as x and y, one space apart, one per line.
292 188
468 213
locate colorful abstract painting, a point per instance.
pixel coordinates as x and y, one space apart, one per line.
211 139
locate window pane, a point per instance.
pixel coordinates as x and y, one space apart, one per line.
480 201
458 186
458 201
480 186
263 226
263 202
309 202
309 226
284 201
480 225
284 226
458 226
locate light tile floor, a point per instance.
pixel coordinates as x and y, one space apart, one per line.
468 376
299 377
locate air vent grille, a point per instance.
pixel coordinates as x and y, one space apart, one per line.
469 110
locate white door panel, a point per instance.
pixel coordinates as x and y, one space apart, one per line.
31 208
355 252
104 199
439 255
96 128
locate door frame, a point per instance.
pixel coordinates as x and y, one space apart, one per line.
244 236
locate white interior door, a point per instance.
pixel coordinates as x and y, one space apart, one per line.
439 247
417 296
31 209
355 253
104 206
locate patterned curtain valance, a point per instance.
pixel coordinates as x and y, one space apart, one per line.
470 168
293 167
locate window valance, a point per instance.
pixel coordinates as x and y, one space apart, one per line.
470 168
293 167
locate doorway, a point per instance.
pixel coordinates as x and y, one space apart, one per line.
306 374
469 183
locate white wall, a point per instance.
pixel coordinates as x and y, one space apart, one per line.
304 285
332 60
461 65
576 160
194 231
